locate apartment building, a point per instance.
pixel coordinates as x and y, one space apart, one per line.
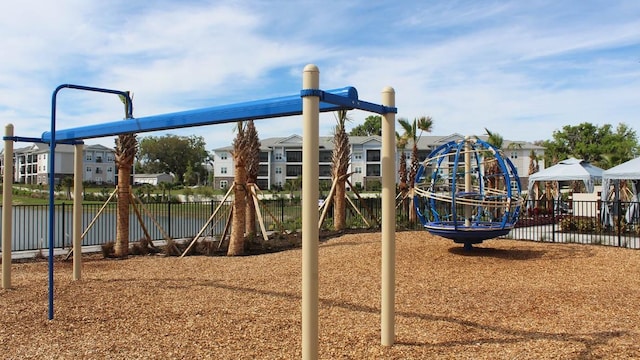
281 159
31 163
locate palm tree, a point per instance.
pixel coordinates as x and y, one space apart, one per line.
125 151
424 123
292 185
67 182
339 167
534 167
491 167
253 166
239 153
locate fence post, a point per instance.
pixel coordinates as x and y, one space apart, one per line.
62 224
553 221
281 210
619 219
169 218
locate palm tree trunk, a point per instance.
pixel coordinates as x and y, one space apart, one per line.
340 206
413 215
339 168
122 224
238 224
125 152
253 168
236 242
250 224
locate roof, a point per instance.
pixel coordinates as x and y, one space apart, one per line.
569 170
627 170
426 141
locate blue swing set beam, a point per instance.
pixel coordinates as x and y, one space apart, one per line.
330 100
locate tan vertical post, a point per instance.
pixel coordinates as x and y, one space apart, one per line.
387 313
7 208
77 212
310 213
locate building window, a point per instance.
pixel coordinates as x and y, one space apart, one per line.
373 155
88 168
358 170
422 154
263 170
326 156
278 170
373 170
514 154
325 170
99 159
89 157
357 156
223 156
223 184
294 156
223 170
98 171
109 169
278 156
109 158
294 170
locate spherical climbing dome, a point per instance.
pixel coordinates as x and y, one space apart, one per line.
467 191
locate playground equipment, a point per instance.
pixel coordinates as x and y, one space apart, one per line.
309 103
467 191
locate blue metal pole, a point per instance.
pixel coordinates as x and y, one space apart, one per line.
52 179
52 169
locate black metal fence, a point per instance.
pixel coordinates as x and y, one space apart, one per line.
584 222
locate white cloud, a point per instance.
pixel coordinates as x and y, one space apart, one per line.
519 69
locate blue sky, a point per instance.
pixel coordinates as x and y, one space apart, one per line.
519 68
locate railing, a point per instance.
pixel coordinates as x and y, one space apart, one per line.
584 222
578 222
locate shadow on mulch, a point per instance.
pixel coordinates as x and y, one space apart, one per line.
506 254
551 252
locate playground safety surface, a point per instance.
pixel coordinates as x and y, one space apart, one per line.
505 299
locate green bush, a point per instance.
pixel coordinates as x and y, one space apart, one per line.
580 224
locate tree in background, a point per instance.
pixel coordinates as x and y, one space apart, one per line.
292 185
599 145
372 126
174 154
339 167
253 167
424 123
534 166
67 182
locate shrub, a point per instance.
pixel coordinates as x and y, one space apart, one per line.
171 249
581 224
206 247
108 249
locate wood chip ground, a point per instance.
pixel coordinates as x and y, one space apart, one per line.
504 300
